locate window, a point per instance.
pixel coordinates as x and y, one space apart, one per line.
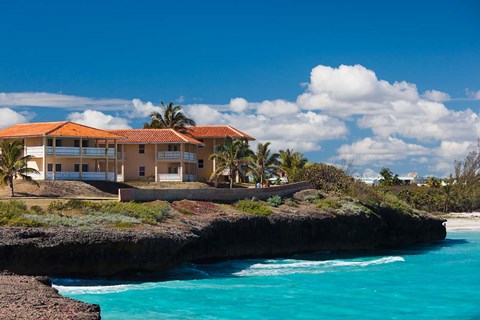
84 167
201 140
50 142
76 143
85 143
58 167
141 149
141 171
58 143
173 170
200 163
49 167
173 147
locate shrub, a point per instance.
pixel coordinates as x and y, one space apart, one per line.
12 213
37 209
275 201
326 177
253 207
312 198
291 203
185 211
328 203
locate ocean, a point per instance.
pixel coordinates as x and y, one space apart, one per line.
434 281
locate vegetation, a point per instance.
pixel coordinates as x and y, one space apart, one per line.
291 162
275 201
171 117
389 178
263 163
231 158
13 165
253 207
77 213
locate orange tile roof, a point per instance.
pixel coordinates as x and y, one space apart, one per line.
220 131
55 129
154 136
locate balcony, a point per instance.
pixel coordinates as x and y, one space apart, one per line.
176 155
71 151
169 177
64 175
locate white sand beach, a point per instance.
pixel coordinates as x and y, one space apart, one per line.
463 221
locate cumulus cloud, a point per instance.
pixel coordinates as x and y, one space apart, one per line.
380 151
98 119
140 109
9 117
437 96
238 105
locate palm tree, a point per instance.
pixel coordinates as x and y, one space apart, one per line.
171 117
263 162
230 158
291 162
13 165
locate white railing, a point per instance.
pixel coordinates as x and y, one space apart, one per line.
189 156
71 151
119 177
169 177
34 151
36 176
169 155
65 175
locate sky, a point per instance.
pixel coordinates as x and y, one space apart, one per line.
378 83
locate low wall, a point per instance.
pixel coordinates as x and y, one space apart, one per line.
214 195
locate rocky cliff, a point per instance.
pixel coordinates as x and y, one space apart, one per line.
73 252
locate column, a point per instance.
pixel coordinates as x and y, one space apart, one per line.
182 150
44 162
115 164
106 160
81 159
156 162
54 153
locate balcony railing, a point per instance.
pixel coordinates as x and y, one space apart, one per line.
169 177
65 175
176 155
169 155
71 151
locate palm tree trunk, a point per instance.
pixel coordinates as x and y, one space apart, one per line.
231 181
10 183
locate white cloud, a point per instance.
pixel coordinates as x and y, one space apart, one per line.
52 100
98 120
277 108
380 151
238 105
140 109
9 117
437 96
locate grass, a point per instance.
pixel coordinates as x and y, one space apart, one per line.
253 207
78 213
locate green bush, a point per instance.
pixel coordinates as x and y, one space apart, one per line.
253 207
12 213
291 202
328 203
37 209
185 211
275 201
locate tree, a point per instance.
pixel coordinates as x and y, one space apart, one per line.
263 163
389 178
291 162
13 165
171 117
432 182
230 159
466 187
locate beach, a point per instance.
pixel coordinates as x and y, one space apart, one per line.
463 221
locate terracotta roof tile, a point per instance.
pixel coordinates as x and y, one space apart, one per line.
217 132
154 136
57 129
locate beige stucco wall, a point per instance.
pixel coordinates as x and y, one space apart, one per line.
204 153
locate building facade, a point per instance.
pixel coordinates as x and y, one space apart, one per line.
70 151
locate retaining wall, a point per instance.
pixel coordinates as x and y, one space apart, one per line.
213 195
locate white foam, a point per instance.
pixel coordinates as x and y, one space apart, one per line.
103 289
308 267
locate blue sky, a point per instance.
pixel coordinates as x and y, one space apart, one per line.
88 60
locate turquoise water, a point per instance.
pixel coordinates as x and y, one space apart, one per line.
440 281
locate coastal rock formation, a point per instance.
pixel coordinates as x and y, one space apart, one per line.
23 297
185 238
